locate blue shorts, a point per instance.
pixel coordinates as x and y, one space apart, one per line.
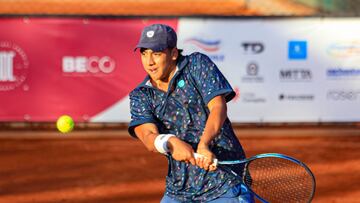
237 194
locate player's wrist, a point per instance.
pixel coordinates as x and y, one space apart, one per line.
161 143
204 144
171 143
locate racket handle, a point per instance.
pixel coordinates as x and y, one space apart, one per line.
215 161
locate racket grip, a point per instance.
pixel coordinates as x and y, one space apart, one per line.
215 161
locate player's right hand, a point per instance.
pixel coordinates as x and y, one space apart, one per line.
205 158
181 151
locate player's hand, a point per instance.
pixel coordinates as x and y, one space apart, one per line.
206 160
181 151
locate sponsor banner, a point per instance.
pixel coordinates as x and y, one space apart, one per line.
80 67
283 70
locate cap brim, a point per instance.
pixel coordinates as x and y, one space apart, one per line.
154 47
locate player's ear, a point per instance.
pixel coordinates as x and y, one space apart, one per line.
174 54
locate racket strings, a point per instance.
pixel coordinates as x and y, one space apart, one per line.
279 180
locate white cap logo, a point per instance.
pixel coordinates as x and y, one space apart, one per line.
150 34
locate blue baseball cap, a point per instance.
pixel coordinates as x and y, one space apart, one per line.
157 37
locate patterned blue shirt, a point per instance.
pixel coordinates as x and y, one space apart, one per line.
182 111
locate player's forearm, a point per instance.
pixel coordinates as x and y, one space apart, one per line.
147 137
213 125
148 141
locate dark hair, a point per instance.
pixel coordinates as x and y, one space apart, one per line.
180 55
180 52
142 49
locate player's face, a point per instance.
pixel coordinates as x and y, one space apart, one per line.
159 64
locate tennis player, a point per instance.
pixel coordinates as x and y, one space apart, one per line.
180 108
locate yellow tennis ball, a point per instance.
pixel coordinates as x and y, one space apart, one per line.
65 124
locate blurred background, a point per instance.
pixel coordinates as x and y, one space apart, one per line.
289 61
294 64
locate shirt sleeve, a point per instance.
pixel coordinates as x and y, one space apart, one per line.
209 80
140 110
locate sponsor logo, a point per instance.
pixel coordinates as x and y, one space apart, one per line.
93 65
253 47
252 69
252 73
251 97
295 75
7 66
344 49
297 50
14 66
150 34
339 73
206 45
343 95
296 97
209 46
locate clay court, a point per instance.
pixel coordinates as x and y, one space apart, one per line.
109 166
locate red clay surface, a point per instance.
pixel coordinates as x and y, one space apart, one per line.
103 166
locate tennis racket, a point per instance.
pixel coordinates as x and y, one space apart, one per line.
274 177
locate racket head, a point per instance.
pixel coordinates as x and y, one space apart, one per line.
274 177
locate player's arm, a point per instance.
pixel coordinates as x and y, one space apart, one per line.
147 133
179 150
218 113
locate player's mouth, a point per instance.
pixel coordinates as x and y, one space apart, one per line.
153 71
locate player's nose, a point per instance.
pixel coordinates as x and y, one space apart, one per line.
150 60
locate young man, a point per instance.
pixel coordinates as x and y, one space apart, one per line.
180 109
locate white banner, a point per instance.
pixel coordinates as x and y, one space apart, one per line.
284 70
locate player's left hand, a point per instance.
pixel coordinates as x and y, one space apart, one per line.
206 161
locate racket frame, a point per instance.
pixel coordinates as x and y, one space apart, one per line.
265 155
